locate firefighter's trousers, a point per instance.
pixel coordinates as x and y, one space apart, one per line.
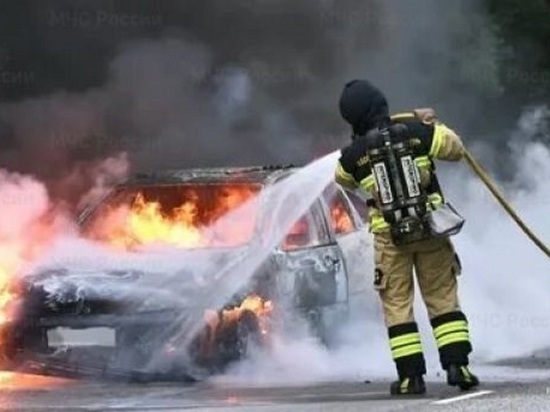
436 266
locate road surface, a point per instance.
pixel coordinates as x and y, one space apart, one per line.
525 387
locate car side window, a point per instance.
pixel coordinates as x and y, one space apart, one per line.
360 206
322 233
340 213
308 231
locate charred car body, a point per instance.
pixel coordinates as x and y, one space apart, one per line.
215 221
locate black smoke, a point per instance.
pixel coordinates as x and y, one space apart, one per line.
212 82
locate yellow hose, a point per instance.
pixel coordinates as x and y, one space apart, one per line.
478 170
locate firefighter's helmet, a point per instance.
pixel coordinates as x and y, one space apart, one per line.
363 106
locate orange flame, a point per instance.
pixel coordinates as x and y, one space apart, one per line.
193 222
11 381
256 304
14 254
228 318
261 308
341 219
5 295
147 224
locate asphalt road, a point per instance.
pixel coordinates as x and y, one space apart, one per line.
507 389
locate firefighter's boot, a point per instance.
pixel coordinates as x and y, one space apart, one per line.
460 375
409 385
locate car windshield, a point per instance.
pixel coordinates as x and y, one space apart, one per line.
183 215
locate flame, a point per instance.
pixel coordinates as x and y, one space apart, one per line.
28 224
340 217
146 224
194 222
256 304
218 321
5 295
12 381
261 308
15 253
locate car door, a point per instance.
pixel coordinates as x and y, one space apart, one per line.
312 268
351 234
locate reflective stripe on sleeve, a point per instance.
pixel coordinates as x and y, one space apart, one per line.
368 183
423 162
344 177
438 139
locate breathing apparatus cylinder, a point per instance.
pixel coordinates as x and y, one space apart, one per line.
401 197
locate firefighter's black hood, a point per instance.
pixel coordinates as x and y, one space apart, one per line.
363 106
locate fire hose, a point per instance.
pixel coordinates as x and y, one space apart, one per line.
482 174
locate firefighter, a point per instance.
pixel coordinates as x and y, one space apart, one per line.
433 258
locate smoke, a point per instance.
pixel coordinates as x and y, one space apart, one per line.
203 83
505 275
22 197
165 84
27 226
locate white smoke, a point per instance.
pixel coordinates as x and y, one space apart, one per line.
23 201
26 227
506 279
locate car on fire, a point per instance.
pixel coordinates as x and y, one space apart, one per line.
133 321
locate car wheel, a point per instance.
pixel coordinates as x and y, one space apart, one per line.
236 342
248 334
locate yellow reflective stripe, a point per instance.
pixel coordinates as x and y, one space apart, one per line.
413 337
404 115
368 183
457 325
343 175
438 139
407 351
423 162
405 345
453 338
405 385
377 222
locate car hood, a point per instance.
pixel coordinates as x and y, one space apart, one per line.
178 283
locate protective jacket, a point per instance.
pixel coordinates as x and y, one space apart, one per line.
435 141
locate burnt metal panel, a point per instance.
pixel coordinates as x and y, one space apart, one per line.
254 174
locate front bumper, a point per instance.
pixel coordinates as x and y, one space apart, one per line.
147 346
100 320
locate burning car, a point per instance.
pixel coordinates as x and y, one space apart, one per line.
193 310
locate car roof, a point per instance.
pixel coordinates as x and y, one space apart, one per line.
254 174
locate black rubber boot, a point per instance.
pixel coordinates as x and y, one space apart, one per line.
410 385
460 375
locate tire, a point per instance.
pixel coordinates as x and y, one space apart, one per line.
237 342
248 333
